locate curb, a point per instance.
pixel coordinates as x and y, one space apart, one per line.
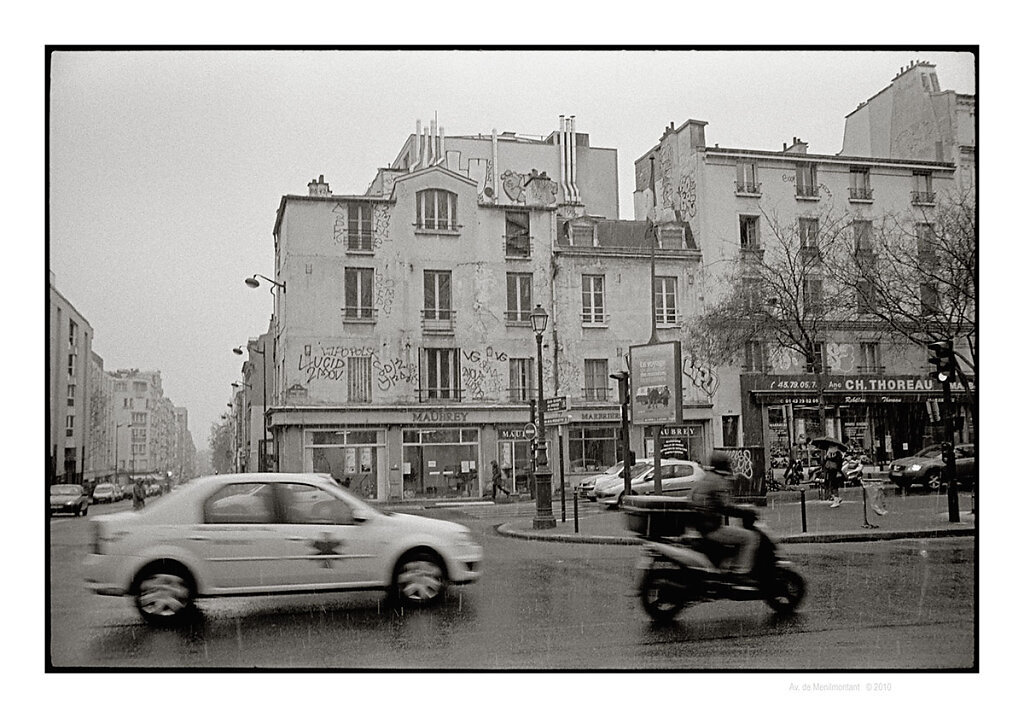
506 530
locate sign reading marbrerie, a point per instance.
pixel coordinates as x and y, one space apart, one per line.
655 385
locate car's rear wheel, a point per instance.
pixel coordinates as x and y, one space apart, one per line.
165 593
419 578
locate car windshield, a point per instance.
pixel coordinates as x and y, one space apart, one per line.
65 490
930 452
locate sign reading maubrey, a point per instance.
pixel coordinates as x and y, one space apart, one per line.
654 383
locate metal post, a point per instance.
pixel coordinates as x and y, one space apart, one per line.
657 460
949 457
575 512
561 471
803 509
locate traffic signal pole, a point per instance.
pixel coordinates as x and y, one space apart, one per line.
948 456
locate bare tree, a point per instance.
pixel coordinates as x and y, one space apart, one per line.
779 297
222 445
916 275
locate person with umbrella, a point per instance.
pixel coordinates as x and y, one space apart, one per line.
831 467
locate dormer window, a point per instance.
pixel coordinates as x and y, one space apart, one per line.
436 209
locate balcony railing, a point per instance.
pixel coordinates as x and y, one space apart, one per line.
366 315
518 247
597 393
438 321
595 318
862 194
807 191
360 243
750 188
439 394
521 394
922 197
517 318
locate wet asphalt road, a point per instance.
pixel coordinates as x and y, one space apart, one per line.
905 604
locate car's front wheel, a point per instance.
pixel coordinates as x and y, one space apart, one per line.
165 593
419 578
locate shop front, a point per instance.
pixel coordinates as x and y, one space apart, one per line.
685 441
885 417
594 440
396 453
515 458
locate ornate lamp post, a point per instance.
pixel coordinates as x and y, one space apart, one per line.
542 489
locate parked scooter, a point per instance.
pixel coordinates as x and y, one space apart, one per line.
679 567
853 469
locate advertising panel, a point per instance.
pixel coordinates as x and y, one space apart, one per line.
654 384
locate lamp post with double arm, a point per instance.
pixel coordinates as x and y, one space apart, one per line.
544 519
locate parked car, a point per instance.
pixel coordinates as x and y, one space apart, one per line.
925 468
588 486
260 534
68 499
678 477
104 493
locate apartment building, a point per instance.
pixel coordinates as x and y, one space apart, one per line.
741 202
70 355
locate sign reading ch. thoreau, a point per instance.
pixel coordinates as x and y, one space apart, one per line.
654 383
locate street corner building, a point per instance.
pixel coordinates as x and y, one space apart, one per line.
400 359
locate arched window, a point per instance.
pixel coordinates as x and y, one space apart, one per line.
436 209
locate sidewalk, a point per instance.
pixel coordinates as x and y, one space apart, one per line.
909 516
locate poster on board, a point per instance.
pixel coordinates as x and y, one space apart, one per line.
655 386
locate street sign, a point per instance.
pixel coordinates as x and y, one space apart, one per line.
556 403
559 419
530 432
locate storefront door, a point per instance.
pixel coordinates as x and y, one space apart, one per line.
440 463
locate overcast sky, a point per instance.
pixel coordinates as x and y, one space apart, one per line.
166 168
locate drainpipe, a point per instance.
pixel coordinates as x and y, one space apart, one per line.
572 159
562 159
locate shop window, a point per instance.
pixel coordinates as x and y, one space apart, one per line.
438 463
349 456
592 448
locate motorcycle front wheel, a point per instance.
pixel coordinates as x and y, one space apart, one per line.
785 591
661 599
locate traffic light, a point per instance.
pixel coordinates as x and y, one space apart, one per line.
941 355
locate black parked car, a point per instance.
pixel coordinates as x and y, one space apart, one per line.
925 468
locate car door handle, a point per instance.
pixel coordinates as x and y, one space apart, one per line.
199 538
296 538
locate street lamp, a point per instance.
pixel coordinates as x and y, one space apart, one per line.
542 483
255 283
238 350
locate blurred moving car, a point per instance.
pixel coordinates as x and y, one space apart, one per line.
925 468
677 479
588 485
104 493
260 534
68 499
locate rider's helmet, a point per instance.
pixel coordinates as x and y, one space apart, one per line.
720 462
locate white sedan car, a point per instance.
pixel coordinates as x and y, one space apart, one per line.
260 534
678 478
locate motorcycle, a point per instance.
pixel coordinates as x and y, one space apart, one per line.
679 567
853 469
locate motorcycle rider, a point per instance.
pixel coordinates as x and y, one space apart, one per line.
714 494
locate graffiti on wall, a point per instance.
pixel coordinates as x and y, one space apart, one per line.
687 202
703 377
383 293
340 212
742 462
395 372
514 185
381 224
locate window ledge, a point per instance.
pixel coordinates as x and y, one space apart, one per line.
437 232
861 200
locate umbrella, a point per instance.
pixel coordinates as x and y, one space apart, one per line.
823 443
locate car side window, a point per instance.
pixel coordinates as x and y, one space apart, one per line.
243 503
308 504
682 470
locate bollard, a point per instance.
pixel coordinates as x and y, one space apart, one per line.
575 511
803 508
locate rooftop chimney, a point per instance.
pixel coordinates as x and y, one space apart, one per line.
798 147
319 188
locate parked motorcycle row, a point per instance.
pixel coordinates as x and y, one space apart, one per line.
796 473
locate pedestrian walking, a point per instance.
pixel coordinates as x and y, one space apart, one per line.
832 472
496 481
138 495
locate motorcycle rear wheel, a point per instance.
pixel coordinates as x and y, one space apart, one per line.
785 592
661 599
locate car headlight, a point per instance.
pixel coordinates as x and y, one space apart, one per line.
915 467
